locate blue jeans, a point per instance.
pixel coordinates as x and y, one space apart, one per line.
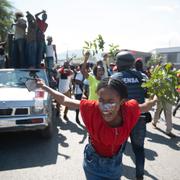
2 64
19 53
97 167
49 63
137 137
40 52
31 51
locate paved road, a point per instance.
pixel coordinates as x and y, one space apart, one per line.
25 156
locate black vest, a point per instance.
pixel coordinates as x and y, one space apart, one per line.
133 79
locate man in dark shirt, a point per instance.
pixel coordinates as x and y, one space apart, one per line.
42 26
133 79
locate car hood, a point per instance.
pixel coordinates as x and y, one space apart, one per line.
17 94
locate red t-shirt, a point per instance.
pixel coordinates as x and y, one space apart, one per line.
62 71
42 25
105 139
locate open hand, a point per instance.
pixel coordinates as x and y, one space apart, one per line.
40 83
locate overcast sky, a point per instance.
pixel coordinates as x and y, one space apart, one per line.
132 24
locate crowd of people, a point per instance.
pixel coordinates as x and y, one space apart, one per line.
86 82
111 93
111 118
29 45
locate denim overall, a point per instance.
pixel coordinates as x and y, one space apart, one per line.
97 167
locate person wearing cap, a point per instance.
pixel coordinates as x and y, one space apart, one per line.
51 54
50 57
133 79
139 66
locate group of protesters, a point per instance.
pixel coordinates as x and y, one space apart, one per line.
104 91
86 80
103 95
29 48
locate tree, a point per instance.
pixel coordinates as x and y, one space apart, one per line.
6 18
154 60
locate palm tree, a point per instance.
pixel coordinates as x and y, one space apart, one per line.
6 18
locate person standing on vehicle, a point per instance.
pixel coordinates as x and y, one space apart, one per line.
133 79
51 56
42 26
31 43
19 41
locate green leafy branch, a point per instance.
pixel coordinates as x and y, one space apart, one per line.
163 83
113 50
95 46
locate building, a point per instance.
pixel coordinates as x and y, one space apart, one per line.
170 54
137 54
140 54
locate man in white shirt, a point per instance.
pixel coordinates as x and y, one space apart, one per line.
65 82
78 91
19 41
51 54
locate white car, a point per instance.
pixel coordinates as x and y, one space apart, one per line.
19 109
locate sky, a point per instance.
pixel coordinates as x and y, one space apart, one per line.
140 25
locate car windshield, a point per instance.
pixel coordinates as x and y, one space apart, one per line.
18 77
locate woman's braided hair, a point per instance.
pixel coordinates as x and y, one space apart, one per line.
115 84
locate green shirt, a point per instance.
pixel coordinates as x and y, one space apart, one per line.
93 82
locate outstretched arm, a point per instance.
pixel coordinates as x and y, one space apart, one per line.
146 106
60 98
36 15
84 65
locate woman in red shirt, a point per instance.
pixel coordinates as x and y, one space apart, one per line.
109 122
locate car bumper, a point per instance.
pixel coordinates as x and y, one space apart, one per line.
23 123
